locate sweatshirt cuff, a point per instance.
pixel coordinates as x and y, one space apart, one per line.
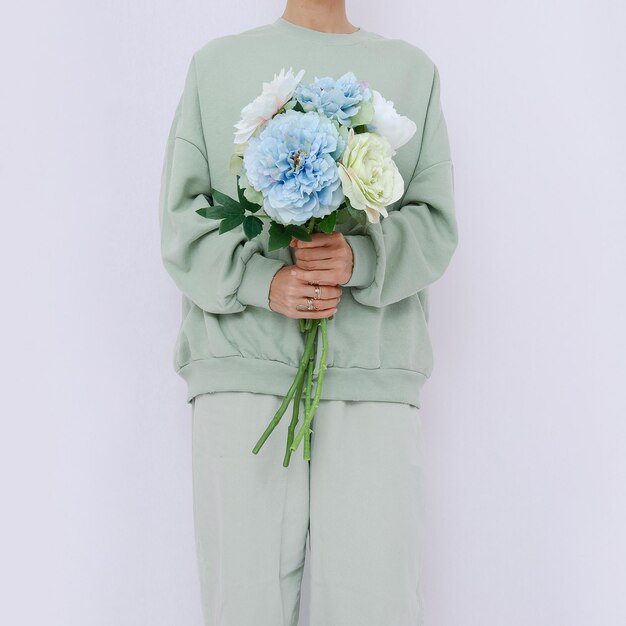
257 277
365 260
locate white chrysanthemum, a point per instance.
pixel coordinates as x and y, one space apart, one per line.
274 95
398 129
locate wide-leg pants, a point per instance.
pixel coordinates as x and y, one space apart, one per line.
358 500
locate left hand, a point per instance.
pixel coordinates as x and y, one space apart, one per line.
325 260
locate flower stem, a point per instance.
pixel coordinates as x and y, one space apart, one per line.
294 421
305 429
306 324
287 399
310 380
307 365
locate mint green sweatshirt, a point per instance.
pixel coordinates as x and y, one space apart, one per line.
229 338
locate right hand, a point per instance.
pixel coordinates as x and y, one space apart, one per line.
287 291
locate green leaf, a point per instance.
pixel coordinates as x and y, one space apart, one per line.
252 226
231 210
244 202
211 212
354 212
359 215
327 223
227 201
279 237
343 215
228 223
299 232
217 212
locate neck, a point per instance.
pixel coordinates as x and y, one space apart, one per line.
328 16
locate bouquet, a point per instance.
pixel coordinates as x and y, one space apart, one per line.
306 157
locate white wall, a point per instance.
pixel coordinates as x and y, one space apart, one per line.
525 410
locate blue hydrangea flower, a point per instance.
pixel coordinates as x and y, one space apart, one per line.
291 163
337 99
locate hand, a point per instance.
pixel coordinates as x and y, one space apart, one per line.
326 260
287 291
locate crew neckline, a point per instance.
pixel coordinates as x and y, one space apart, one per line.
320 35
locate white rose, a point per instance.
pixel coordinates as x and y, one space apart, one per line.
369 177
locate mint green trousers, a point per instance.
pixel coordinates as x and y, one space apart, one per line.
358 501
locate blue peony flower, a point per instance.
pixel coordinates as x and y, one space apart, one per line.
337 99
291 163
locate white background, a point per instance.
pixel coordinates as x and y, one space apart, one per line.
525 411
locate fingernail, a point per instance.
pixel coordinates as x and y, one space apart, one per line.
293 272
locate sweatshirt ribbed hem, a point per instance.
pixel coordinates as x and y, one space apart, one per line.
236 373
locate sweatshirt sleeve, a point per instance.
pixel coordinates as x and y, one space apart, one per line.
220 273
411 248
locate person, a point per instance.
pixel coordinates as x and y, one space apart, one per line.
359 499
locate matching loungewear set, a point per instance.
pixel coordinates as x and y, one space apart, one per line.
359 500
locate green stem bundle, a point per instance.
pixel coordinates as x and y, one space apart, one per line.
309 327
287 399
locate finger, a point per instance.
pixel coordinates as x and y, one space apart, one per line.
318 265
321 310
317 240
315 254
321 277
315 314
321 304
327 292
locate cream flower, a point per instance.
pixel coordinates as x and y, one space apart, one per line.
398 129
274 95
369 177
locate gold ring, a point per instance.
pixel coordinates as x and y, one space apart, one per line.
309 306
